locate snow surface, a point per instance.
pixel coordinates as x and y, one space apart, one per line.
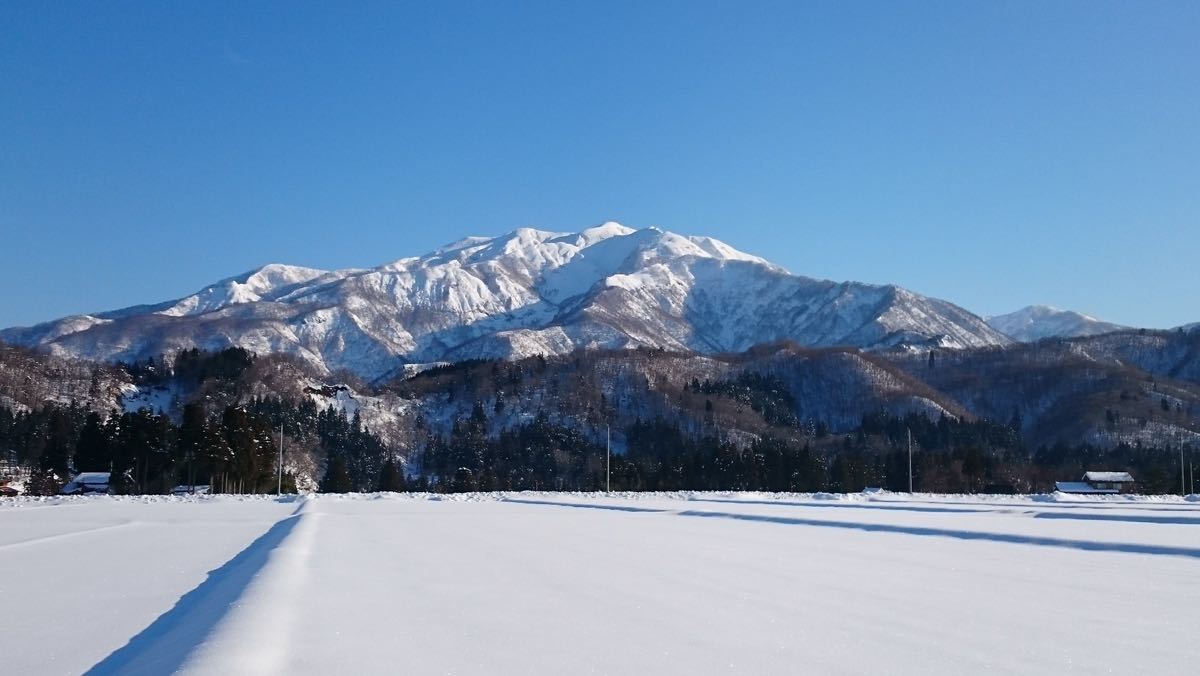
546 583
1082 487
1107 476
248 288
79 577
1036 322
154 398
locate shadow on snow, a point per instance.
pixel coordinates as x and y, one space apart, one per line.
1132 518
1186 507
1086 545
845 505
164 646
580 505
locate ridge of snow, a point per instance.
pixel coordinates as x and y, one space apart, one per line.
248 287
1036 322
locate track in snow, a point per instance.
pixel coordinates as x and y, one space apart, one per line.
569 583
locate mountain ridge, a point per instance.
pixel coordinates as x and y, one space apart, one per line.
522 293
1035 322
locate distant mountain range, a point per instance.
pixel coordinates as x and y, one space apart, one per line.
524 293
658 324
1041 321
534 292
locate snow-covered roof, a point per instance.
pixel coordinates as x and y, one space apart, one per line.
91 478
1110 477
87 482
1080 487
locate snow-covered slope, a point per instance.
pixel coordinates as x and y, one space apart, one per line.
519 294
1042 321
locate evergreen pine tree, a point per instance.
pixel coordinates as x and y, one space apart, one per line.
391 479
56 456
92 452
191 441
337 479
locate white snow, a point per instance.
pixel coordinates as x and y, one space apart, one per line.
1107 476
544 583
381 415
250 287
80 577
1082 487
84 482
1036 322
155 398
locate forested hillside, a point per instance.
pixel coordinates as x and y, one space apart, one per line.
777 417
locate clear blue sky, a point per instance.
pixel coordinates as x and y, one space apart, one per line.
995 154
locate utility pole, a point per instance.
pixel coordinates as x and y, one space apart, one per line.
279 465
608 458
1182 474
909 430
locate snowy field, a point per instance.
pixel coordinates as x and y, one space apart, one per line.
631 584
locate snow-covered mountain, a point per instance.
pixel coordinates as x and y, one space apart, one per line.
1042 321
527 292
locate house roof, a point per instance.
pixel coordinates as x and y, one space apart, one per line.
1111 477
91 478
1081 487
87 482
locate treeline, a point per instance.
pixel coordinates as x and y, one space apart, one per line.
534 456
236 451
356 459
233 451
950 456
232 448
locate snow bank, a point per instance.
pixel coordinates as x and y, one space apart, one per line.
754 495
49 501
499 496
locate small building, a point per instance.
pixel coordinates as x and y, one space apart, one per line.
86 483
1099 483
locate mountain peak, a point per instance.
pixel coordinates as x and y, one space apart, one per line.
248 287
1035 322
607 229
531 234
526 292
